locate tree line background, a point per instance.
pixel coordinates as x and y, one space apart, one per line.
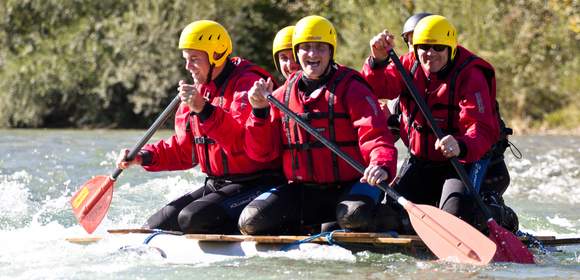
115 63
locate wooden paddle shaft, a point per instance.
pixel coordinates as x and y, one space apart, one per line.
438 133
154 127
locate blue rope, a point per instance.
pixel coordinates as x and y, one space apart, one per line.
141 249
330 238
329 235
158 232
155 233
533 241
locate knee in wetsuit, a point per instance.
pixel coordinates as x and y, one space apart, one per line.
497 177
501 213
205 217
257 217
357 210
250 221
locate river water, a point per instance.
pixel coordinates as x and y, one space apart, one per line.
41 169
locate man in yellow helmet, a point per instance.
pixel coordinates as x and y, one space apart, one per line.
460 90
209 128
394 114
337 102
282 52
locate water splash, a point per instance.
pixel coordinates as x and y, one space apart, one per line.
14 199
552 177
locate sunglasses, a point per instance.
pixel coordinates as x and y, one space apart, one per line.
437 48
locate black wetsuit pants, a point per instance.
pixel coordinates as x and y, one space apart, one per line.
300 208
437 184
434 183
214 207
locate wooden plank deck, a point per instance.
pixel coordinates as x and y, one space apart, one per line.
362 238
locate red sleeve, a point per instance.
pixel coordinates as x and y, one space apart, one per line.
375 140
476 117
176 152
227 126
385 81
263 136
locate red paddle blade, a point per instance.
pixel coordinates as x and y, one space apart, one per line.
509 247
448 237
91 203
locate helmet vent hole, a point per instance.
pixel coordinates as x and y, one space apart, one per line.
200 37
219 35
209 37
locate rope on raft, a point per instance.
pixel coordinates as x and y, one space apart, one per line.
329 235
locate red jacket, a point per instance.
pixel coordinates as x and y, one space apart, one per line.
216 142
469 114
359 125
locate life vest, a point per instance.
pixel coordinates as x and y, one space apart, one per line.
212 158
443 105
305 158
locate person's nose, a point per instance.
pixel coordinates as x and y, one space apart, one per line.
312 52
188 65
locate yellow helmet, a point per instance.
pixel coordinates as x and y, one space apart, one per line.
282 41
314 29
436 30
208 36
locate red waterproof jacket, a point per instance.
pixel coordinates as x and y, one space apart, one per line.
461 98
344 111
216 143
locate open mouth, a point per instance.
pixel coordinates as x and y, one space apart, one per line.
313 64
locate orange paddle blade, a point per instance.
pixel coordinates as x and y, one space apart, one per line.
509 247
448 237
91 203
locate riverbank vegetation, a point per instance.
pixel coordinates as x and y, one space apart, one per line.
115 63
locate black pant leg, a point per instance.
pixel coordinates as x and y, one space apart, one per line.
274 212
219 211
166 217
497 178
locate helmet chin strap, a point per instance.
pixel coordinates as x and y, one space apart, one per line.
210 73
330 64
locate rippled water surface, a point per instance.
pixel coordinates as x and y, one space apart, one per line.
41 169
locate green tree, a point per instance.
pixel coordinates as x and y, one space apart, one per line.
115 63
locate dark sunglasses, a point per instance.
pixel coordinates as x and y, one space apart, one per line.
437 48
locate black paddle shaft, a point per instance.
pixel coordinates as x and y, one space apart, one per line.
438 133
332 146
161 119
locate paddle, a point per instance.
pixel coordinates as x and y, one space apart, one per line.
509 247
447 236
91 202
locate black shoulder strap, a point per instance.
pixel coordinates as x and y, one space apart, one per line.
331 130
227 81
452 90
286 121
411 116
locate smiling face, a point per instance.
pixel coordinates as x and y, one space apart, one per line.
314 58
432 60
197 64
287 63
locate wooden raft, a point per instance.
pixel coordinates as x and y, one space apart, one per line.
363 238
